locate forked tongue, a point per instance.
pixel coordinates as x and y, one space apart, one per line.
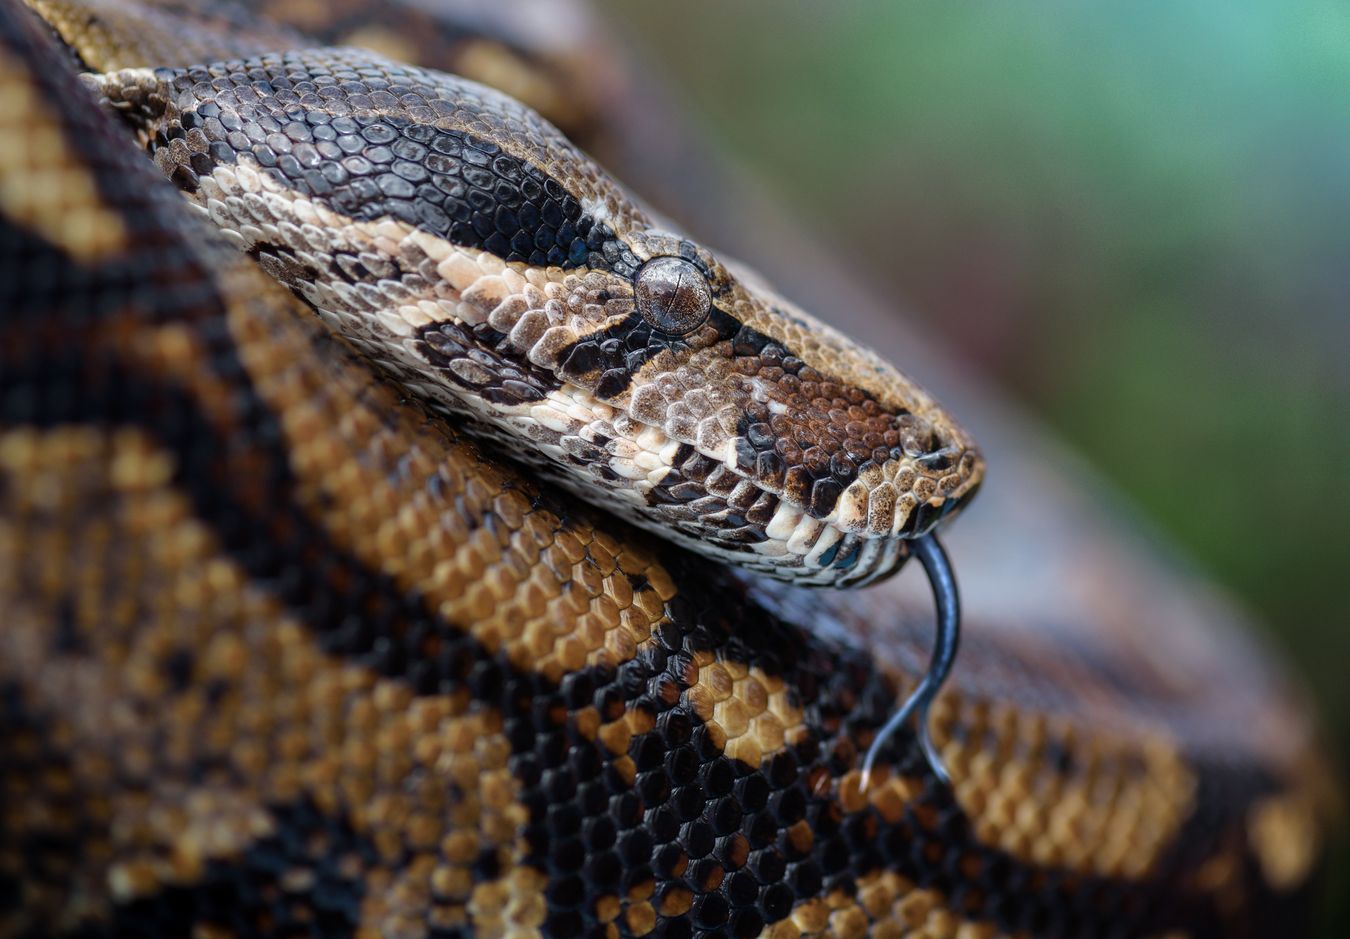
948 601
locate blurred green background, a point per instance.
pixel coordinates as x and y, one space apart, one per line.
1134 216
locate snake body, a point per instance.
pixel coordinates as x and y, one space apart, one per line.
287 653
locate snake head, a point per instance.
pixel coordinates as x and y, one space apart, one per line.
498 273
791 447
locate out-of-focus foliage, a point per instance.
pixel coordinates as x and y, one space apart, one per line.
1135 215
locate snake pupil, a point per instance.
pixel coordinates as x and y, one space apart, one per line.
672 295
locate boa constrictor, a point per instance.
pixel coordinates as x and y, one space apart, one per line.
286 653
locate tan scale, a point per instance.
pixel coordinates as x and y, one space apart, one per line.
131 34
287 718
1111 812
1282 830
507 589
45 186
748 710
886 906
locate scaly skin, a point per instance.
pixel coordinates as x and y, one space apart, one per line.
284 653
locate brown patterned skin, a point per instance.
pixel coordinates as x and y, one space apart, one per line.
283 654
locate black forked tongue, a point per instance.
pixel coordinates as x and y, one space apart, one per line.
940 577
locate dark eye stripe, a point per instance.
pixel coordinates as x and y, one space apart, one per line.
611 358
367 166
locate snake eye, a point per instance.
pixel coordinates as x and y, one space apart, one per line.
672 295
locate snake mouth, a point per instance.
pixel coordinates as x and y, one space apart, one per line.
834 554
762 526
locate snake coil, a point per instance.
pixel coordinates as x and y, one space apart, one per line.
292 648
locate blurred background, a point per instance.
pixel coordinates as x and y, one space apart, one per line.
1132 216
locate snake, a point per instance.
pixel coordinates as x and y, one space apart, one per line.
405 531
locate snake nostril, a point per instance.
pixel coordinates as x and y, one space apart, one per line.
938 459
916 435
